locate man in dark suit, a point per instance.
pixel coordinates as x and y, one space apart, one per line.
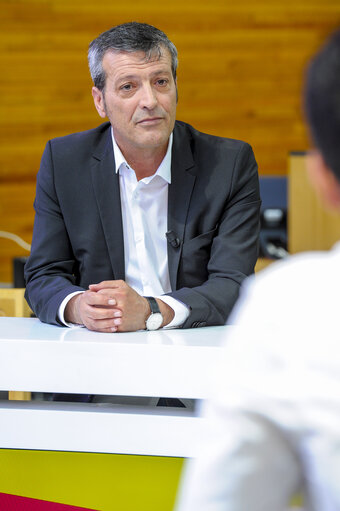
142 205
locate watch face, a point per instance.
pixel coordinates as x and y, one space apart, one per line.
154 321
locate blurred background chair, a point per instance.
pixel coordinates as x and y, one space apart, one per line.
273 234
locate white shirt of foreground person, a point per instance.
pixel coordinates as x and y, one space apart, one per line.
274 416
145 221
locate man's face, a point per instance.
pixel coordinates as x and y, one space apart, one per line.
139 99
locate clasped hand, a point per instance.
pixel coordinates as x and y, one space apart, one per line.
112 306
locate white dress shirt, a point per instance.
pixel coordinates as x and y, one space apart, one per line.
144 207
274 414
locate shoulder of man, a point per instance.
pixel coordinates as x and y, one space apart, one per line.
300 269
87 139
183 129
293 291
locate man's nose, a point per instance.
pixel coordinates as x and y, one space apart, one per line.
148 98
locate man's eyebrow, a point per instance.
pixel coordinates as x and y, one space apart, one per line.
125 77
161 71
133 76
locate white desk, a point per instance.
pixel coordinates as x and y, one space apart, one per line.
44 358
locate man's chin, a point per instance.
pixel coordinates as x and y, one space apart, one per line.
153 140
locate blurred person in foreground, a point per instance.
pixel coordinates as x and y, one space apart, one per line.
274 416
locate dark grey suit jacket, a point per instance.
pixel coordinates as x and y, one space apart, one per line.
213 207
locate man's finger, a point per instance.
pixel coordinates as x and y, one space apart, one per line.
104 326
99 299
106 284
100 314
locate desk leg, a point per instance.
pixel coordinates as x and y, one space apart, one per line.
19 396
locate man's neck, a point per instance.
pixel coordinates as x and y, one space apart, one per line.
144 161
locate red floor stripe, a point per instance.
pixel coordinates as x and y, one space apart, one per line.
15 503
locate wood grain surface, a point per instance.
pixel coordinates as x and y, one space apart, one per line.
240 74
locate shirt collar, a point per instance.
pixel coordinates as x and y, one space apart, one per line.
164 170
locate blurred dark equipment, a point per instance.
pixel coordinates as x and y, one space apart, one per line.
18 271
273 233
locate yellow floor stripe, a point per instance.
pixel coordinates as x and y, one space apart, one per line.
104 482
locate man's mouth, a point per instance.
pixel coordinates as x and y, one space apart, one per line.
150 120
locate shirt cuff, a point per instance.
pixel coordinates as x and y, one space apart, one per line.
181 311
62 307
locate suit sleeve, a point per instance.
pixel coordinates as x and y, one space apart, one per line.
233 249
50 269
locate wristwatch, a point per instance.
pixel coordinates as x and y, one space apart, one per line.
155 319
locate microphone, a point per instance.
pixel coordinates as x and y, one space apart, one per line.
171 236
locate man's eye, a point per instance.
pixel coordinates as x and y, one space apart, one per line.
162 82
126 87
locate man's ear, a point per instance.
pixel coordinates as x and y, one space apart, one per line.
99 103
323 180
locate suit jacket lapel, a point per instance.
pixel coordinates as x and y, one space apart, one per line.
106 187
180 190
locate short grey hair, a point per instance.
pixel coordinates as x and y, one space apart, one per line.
129 37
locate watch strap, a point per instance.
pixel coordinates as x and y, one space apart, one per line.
153 304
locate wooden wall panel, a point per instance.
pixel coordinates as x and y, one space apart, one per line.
311 226
16 216
240 75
